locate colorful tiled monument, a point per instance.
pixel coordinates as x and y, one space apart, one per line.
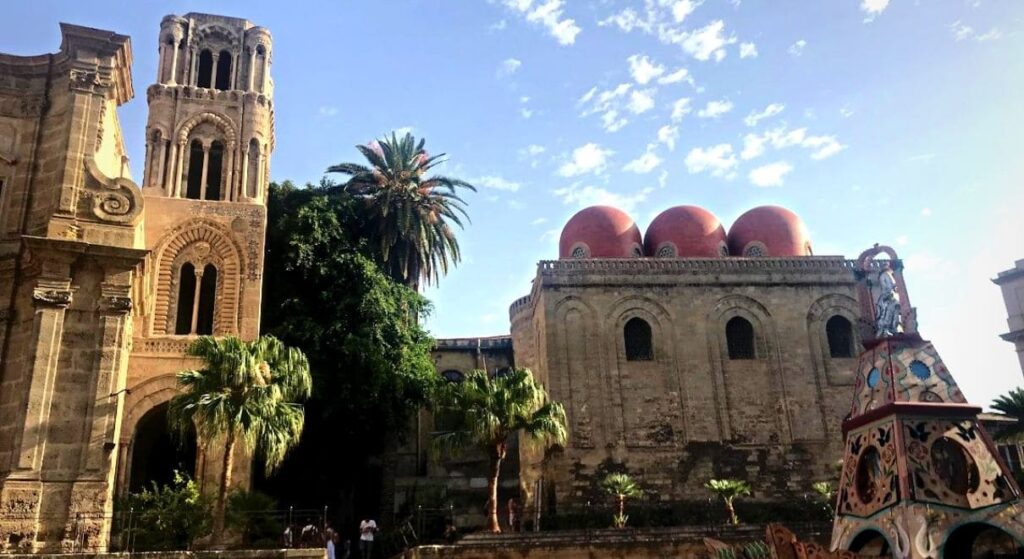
921 478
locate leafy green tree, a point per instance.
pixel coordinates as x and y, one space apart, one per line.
622 486
488 410
728 490
408 213
370 358
1012 404
246 393
250 513
167 517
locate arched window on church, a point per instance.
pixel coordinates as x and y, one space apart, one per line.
186 299
214 171
259 70
739 337
205 70
840 336
194 178
637 335
207 298
197 295
223 71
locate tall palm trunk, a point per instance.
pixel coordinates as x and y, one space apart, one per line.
222 491
492 502
733 519
622 505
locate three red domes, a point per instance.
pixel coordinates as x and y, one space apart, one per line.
683 232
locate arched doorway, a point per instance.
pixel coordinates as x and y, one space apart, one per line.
157 452
977 540
870 543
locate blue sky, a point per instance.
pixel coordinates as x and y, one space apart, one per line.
895 122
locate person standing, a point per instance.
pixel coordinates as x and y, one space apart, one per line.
330 540
366 530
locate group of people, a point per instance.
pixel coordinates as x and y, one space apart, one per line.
337 548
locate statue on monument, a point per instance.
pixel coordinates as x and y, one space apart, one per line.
888 316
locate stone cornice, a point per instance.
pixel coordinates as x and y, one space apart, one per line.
466 344
685 271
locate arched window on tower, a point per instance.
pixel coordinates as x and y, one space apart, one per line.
205 70
186 300
223 71
259 62
739 337
840 336
214 171
194 178
207 298
637 335
167 64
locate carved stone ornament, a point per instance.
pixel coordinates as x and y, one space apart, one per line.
86 80
117 200
117 303
51 296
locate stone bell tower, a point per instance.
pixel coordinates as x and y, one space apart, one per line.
209 137
921 477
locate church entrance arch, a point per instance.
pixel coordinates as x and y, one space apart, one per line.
157 452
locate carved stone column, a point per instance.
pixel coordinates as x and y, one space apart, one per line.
174 60
252 67
228 190
206 169
213 70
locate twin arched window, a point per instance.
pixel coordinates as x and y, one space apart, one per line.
205 170
197 293
739 337
637 337
208 75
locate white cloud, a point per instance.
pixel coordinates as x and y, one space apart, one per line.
607 103
706 42
682 8
549 14
873 8
644 164
797 48
539 220
771 174
588 158
680 108
718 160
991 35
499 26
902 240
821 147
663 179
679 75
534 149
497 183
962 31
587 195
641 101
748 50
753 146
668 135
509 67
926 212
525 112
846 112
643 70
715 109
328 111
403 130
768 112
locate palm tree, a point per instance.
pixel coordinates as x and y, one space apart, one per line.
728 490
487 410
622 486
409 214
1012 404
246 393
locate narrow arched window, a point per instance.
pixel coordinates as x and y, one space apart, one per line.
840 336
205 70
637 335
252 174
186 299
207 298
739 337
223 71
214 171
260 69
194 178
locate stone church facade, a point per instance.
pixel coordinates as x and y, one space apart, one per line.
104 282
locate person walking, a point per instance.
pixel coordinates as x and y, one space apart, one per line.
366 530
330 540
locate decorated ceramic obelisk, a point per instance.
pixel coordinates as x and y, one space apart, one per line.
921 478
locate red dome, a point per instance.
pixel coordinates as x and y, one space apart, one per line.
685 232
769 231
600 232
